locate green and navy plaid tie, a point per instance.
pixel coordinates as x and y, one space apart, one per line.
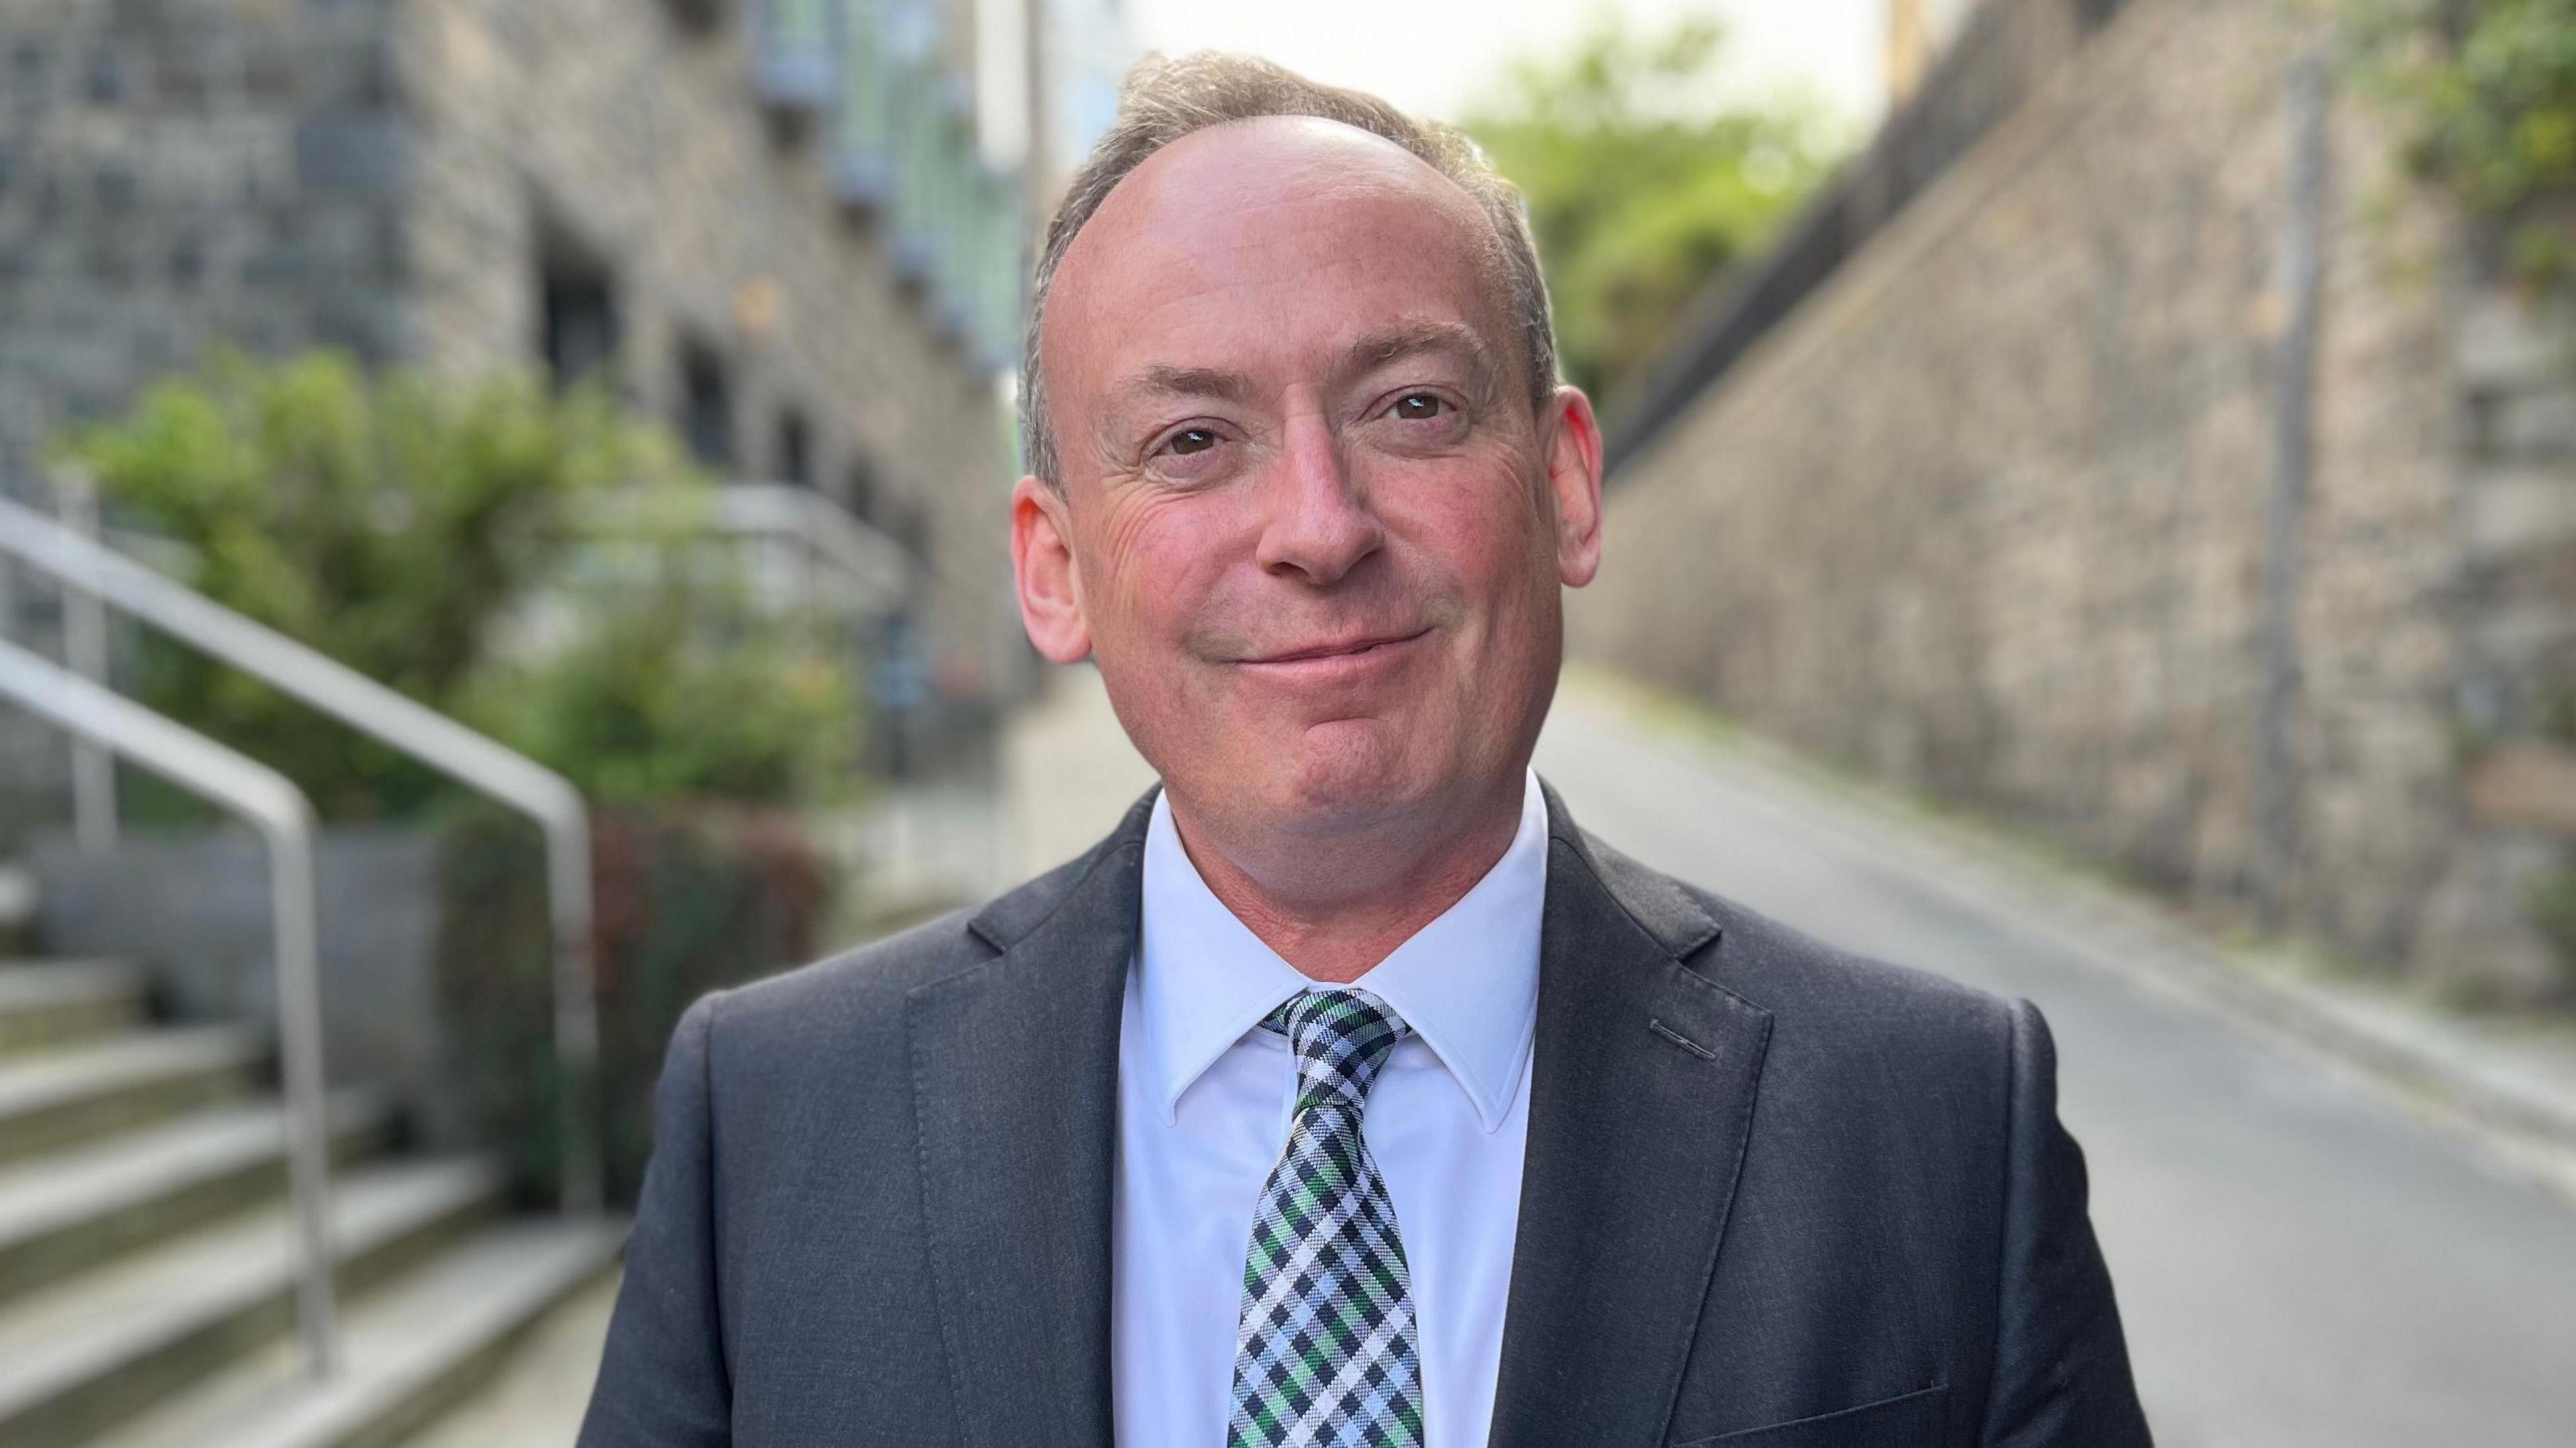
1325 1351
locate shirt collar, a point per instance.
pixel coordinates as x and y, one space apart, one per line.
1467 983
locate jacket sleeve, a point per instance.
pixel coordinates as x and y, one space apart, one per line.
2061 1366
662 1380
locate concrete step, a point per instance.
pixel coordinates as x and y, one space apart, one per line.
66 1211
413 1351
98 1349
48 1004
50 1101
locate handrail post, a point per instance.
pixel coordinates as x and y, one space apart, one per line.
284 819
85 650
295 906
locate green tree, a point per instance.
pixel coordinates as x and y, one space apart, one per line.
1642 183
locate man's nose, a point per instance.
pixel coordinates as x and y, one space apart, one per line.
1319 523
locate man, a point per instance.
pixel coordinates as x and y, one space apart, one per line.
1348 1093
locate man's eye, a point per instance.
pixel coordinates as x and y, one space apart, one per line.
1419 406
1191 439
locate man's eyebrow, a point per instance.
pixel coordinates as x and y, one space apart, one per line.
1396 343
1159 382
1163 382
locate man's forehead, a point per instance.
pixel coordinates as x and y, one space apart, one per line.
1238 205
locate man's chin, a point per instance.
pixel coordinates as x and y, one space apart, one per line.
1347 773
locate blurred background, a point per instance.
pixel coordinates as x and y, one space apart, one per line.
502 509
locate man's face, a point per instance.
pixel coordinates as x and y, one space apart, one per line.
1312 528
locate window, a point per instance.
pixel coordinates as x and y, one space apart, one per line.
706 406
700 15
577 313
860 497
794 463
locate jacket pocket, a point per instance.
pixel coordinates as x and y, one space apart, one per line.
1912 1420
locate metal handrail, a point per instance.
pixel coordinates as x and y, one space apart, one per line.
407 726
834 558
872 570
278 810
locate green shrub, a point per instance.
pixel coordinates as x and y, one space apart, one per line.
679 693
403 524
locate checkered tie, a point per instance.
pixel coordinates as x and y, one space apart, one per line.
1325 1351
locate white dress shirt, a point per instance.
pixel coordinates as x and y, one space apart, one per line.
1204 1097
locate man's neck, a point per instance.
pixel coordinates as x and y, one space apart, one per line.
1333 910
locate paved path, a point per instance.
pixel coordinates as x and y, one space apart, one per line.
2301 1261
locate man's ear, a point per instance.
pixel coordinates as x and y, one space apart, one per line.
1050 588
1574 475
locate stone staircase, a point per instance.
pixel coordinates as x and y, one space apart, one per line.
146 1262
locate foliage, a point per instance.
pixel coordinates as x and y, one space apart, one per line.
688 901
676 693
401 525
2488 89
1639 188
2552 908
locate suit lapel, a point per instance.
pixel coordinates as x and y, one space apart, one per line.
1015 1071
1640 1104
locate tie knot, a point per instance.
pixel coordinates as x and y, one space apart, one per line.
1341 1037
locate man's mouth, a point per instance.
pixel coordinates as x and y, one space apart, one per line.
1339 648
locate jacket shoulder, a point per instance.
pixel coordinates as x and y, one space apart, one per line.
865 985
859 982
1829 1008
1784 969
1894 1056
853 1003
1772 965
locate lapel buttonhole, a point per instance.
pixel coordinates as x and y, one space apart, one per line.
1677 1038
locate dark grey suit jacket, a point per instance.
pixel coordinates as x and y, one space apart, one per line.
1775 1197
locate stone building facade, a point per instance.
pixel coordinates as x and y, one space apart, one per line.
767 220
2071 496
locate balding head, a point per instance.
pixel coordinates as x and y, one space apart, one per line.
1227 245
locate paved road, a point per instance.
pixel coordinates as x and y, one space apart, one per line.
2301 1263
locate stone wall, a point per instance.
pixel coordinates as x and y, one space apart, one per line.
178 171
1987 515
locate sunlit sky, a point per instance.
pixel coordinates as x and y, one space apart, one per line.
1437 56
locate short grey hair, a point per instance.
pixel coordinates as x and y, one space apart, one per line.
1163 100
